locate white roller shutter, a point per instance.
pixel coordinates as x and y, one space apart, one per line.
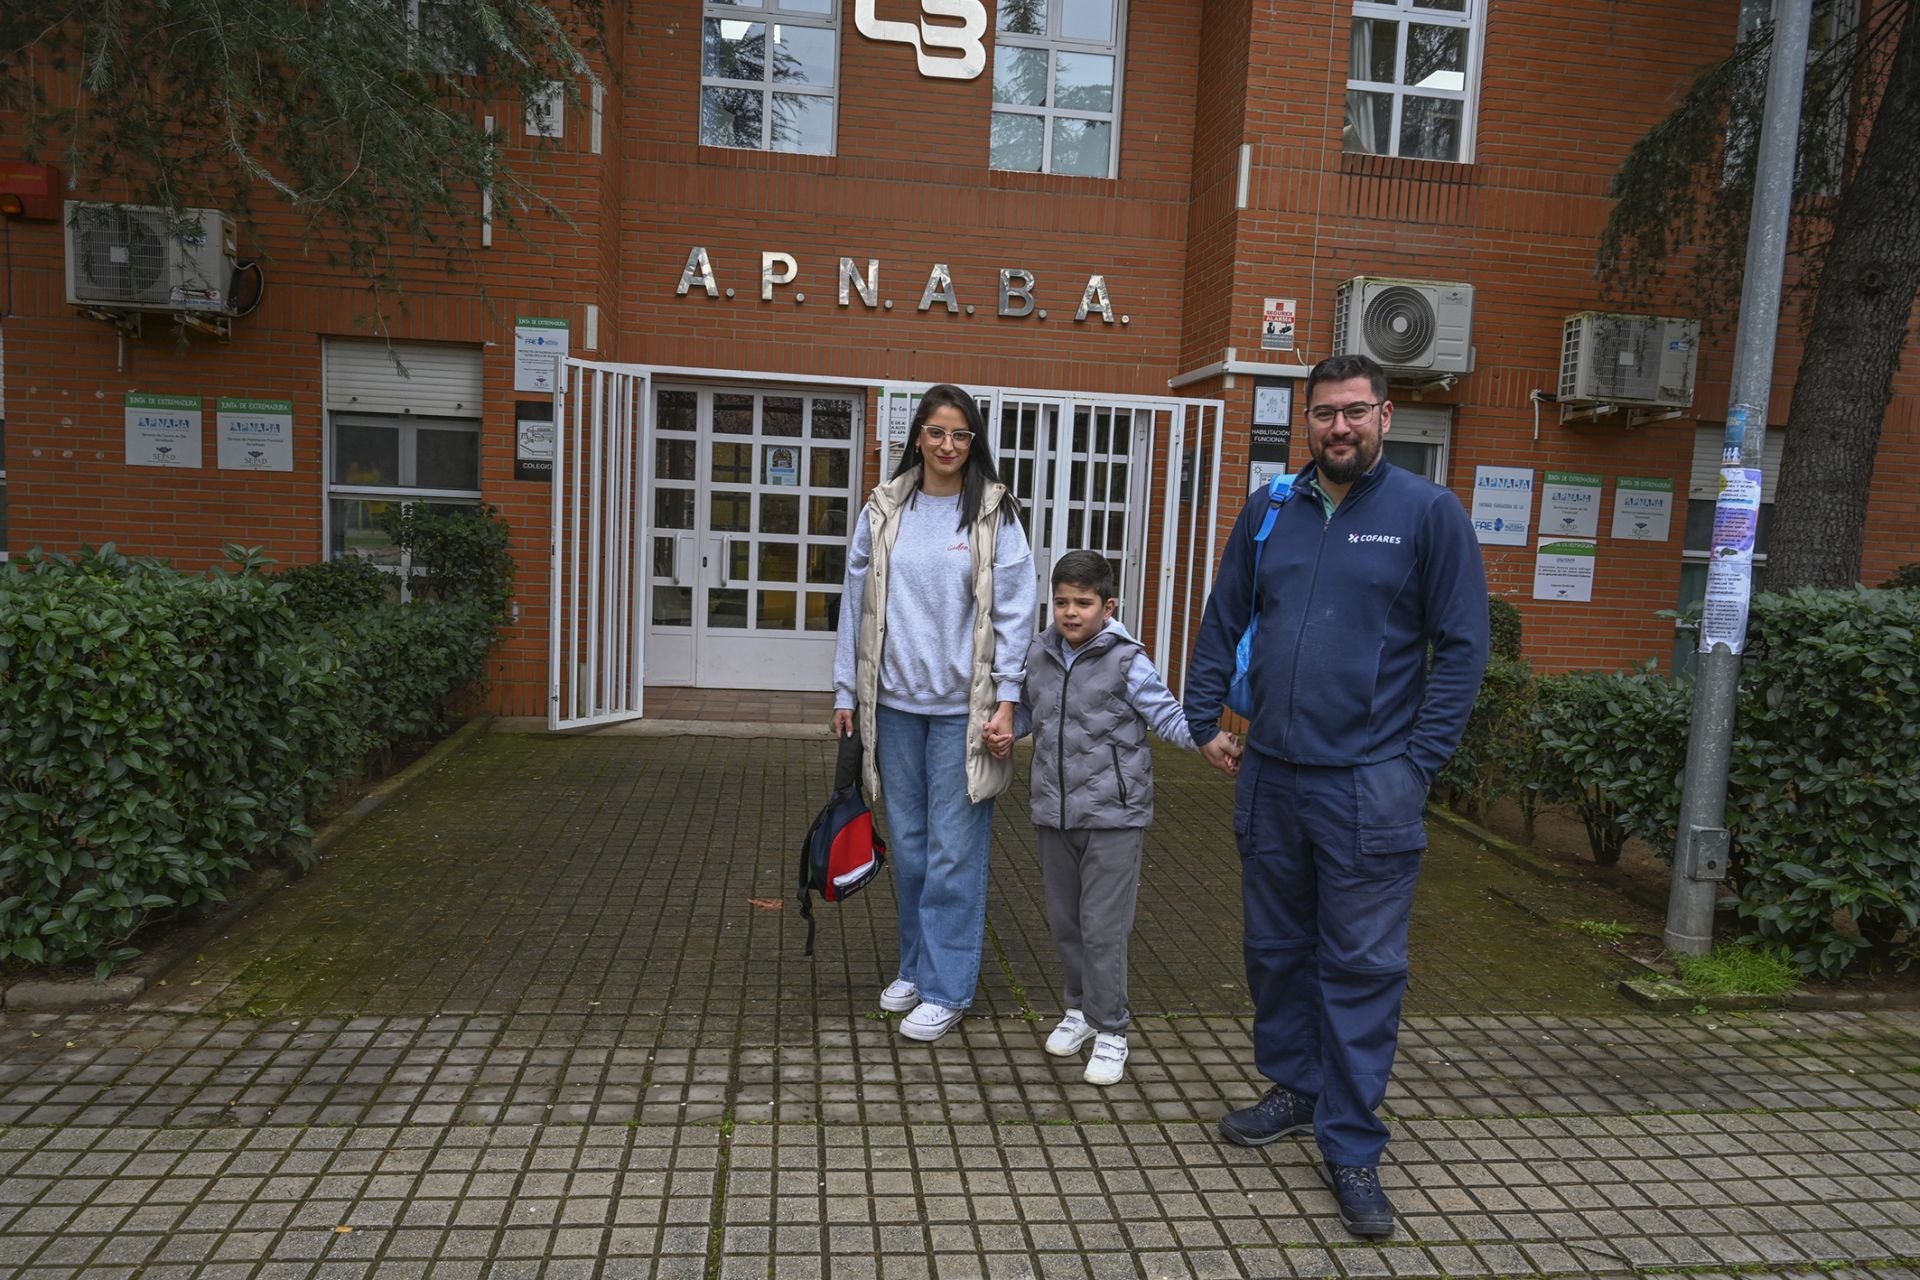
439 380
1705 483
1421 423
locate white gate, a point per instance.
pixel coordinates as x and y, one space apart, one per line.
601 472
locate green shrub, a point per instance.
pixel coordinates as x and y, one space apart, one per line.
1613 747
1503 620
402 662
1496 755
459 553
1905 578
158 733
331 588
1824 797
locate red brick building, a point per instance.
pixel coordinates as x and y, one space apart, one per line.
1082 208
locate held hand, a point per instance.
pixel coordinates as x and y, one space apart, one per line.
843 724
998 734
1223 753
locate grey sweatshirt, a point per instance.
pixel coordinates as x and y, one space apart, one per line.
928 658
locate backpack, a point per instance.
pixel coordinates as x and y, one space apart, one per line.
841 852
1240 690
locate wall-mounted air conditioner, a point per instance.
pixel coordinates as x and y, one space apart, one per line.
136 258
1408 326
1609 358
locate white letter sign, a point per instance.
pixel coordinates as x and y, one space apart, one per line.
964 39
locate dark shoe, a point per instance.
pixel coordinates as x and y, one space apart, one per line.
1364 1207
1272 1118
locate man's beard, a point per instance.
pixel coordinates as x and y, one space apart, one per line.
1365 454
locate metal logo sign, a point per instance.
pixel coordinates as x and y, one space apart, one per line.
969 56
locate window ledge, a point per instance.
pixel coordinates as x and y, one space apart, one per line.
1057 183
767 161
1365 165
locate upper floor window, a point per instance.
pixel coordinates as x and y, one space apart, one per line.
1412 75
1056 86
769 72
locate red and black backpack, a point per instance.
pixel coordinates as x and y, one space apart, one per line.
841 853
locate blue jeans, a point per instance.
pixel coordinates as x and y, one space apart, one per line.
939 852
1328 859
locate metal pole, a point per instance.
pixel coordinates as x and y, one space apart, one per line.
1701 846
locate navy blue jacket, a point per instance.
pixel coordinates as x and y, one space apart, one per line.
1348 608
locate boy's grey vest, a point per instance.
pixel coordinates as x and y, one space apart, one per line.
1092 766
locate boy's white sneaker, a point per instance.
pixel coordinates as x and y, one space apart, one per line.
899 996
1109 1060
1072 1033
930 1022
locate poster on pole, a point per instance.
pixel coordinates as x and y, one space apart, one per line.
1276 325
253 435
539 345
1736 525
1563 569
1642 509
1502 505
1570 505
163 431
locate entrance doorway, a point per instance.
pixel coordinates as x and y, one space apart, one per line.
751 494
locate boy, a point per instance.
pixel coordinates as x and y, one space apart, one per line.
1091 693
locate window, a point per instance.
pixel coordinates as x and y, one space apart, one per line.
1412 73
1056 87
377 466
1418 439
1832 43
449 44
768 71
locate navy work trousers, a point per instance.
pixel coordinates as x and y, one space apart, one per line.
1328 858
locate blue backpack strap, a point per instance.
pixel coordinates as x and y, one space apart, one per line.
1279 489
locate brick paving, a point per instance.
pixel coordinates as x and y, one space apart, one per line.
530 1021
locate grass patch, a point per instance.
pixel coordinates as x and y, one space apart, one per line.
1737 971
1604 930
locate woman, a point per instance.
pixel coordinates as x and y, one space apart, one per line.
937 614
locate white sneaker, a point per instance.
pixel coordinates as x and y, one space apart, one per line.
1109 1061
899 996
1067 1038
930 1022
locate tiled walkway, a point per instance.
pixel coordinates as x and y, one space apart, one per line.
549 1016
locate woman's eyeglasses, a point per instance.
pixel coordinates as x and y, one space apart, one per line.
940 435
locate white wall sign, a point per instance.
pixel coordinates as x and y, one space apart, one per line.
539 345
1261 474
163 431
1563 570
1642 509
253 435
969 54
1570 505
1502 505
1276 325
546 114
1273 406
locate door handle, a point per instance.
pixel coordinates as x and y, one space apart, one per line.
682 559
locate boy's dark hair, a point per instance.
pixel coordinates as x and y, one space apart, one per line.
1087 569
1341 368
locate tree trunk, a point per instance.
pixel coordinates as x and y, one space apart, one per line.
1860 322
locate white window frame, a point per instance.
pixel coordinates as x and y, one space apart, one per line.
770 13
1472 20
1425 424
406 492
1053 43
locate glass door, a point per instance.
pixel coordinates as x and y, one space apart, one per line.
751 497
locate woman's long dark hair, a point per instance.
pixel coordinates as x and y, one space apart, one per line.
980 469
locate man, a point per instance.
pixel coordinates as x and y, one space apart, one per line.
1367 570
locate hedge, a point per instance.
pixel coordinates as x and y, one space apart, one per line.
161 732
1824 790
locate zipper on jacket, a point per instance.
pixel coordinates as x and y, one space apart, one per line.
1293 688
1060 755
1119 776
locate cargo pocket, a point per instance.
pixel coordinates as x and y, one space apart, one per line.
1390 803
1245 784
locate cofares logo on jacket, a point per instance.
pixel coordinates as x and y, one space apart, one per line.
1392 539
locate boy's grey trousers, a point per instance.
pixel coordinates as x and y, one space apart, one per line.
1093 880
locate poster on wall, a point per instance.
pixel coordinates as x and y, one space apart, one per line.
1642 509
1260 474
539 345
1502 505
1570 505
1276 325
1563 569
163 431
253 435
783 466
533 440
1736 525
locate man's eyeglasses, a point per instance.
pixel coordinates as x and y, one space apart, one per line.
940 435
1355 414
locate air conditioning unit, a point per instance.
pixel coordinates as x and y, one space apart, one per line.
1407 326
136 258
1608 358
